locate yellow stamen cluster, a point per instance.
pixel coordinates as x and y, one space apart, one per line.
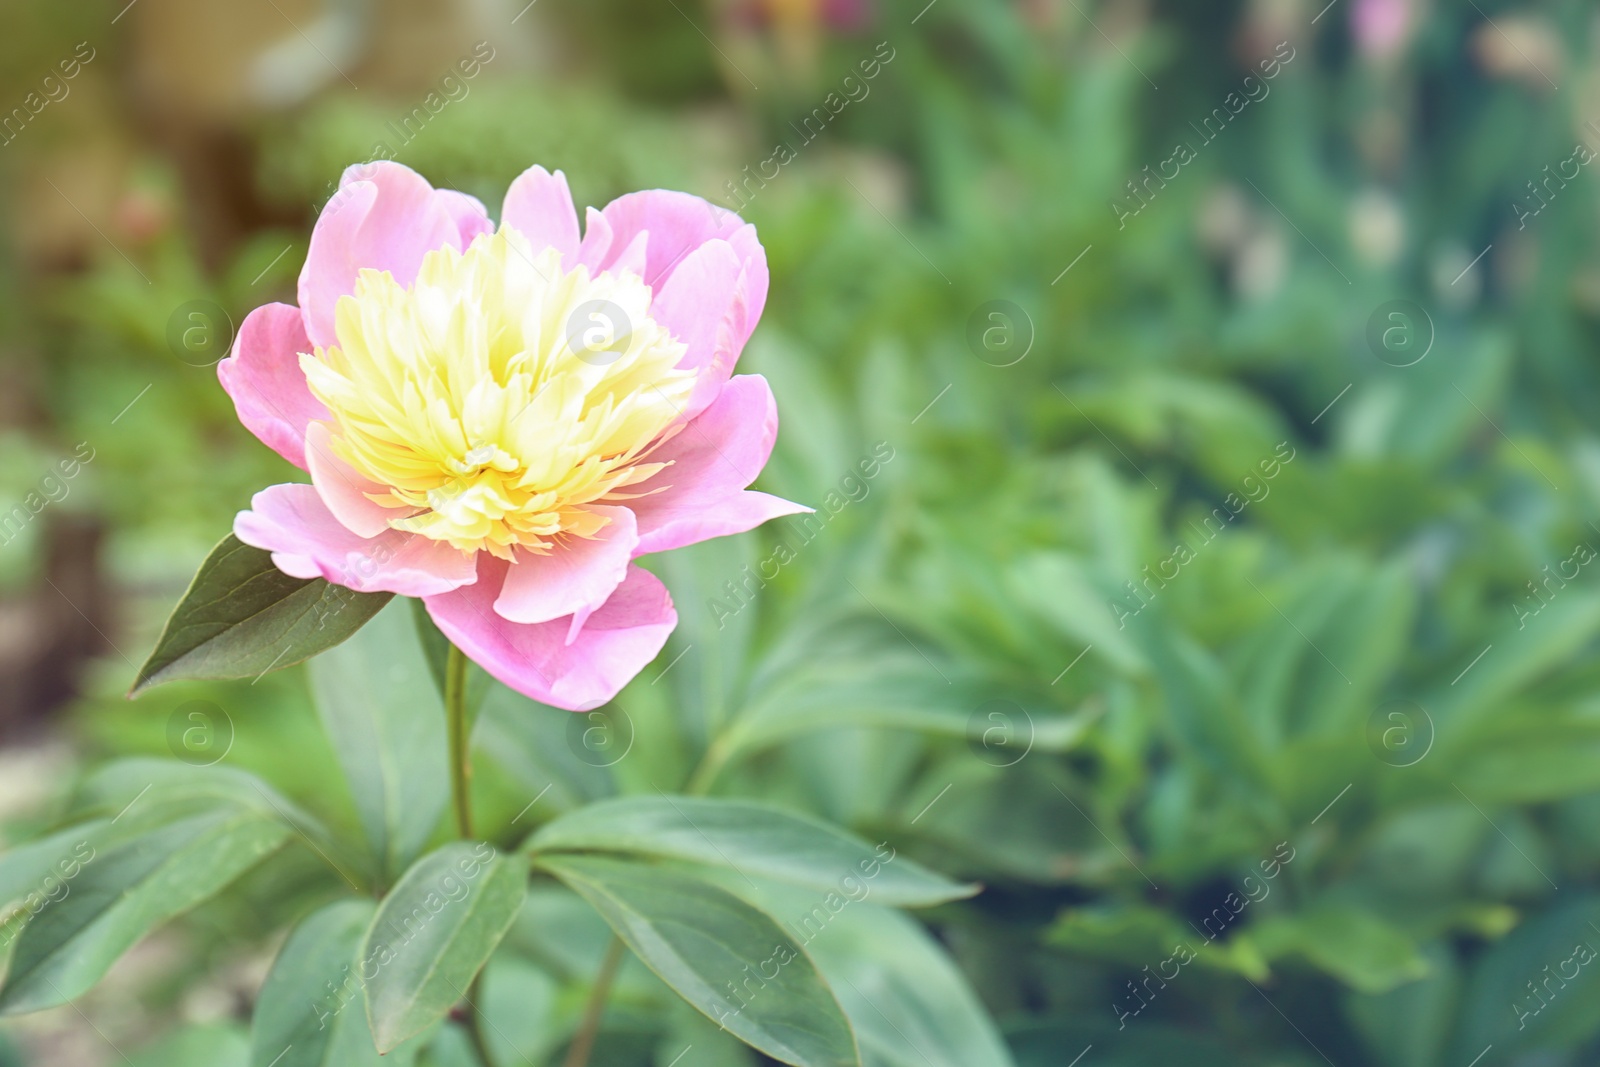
498 396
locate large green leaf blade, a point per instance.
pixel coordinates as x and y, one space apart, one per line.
433 933
753 839
309 1013
112 786
518 1005
881 691
242 617
204 1045
907 1001
716 952
30 872
387 724
133 883
1347 941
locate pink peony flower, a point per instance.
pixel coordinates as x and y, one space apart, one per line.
499 421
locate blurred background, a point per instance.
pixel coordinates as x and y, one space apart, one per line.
1226 374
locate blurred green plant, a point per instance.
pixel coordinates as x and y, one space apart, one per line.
1370 665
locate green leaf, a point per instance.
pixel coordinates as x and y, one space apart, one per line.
907 1001
753 839
29 873
387 725
730 961
1535 990
707 684
112 787
37 874
310 1013
1506 762
889 691
452 1047
133 883
713 1046
242 617
534 748
196 1046
433 932
518 1002
1412 1023
1059 589
1132 934
1349 942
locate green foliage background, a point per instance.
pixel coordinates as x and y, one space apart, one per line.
955 663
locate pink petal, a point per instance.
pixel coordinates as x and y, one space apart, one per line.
678 224
264 379
539 205
306 541
616 644
596 246
572 580
468 213
343 490
705 304
713 458
631 260
385 217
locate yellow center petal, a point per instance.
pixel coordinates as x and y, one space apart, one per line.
497 397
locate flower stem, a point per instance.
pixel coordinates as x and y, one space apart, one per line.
455 709
583 1040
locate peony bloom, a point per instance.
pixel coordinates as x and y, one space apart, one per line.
499 421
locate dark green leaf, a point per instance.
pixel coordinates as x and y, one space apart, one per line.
1352 944
1536 988
1137 933
432 934
131 884
387 724
1411 1023
893 691
728 960
242 617
906 1000
753 839
310 1012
